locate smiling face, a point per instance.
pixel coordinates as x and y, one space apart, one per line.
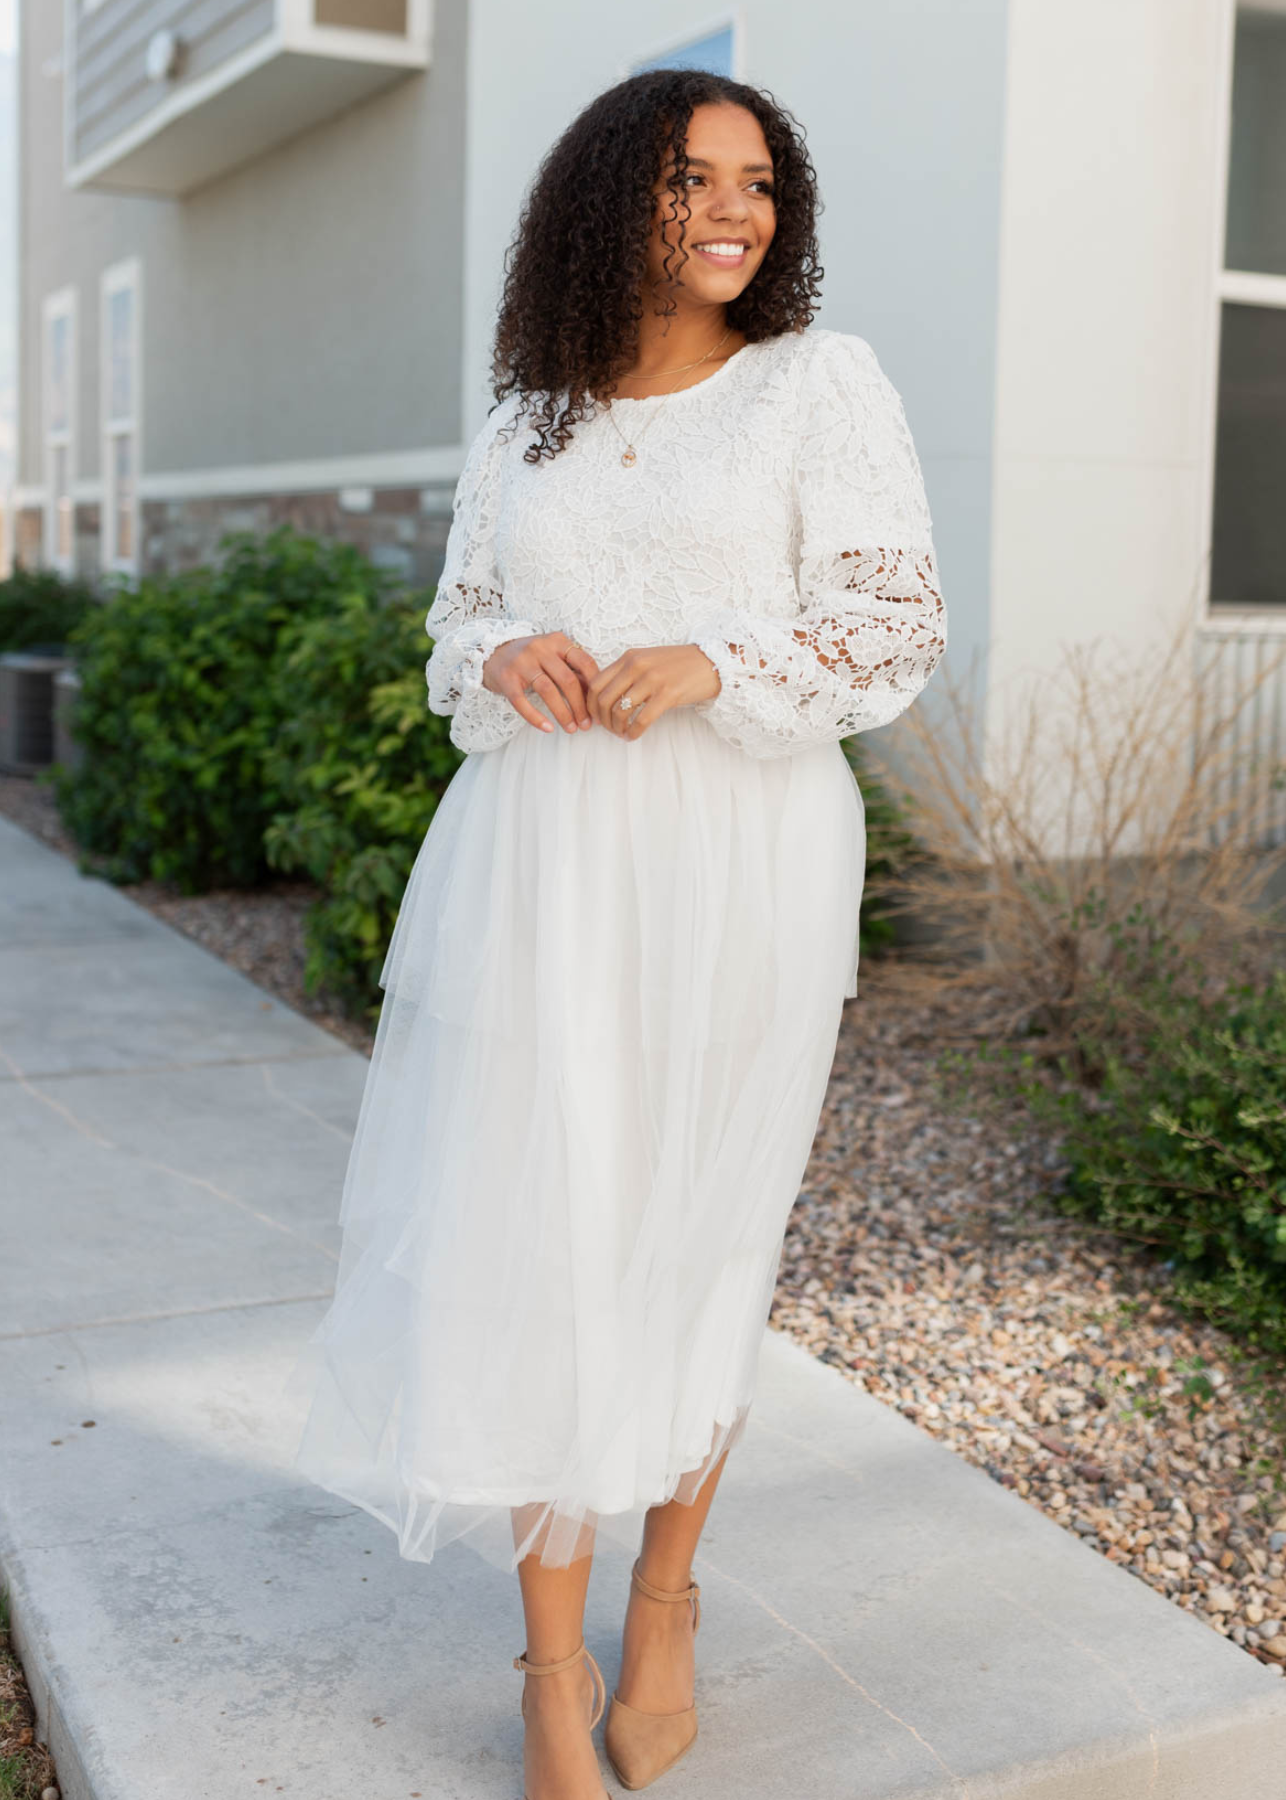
729 188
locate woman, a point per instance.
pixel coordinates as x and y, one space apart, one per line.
690 552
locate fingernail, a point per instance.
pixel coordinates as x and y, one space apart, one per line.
585 724
545 725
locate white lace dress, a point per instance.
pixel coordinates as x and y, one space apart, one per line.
615 984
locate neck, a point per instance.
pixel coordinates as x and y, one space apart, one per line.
682 338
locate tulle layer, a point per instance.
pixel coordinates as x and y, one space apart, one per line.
611 1005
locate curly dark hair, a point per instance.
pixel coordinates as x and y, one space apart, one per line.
572 299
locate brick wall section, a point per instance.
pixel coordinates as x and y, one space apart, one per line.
404 529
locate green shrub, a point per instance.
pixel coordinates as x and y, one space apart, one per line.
888 844
39 607
1181 1143
359 767
181 699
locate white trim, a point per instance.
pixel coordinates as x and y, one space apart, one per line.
348 43
121 277
381 469
732 18
59 305
1245 289
1243 622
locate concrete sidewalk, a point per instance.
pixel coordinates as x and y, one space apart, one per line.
880 1618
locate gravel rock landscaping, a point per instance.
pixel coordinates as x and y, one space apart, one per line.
925 1262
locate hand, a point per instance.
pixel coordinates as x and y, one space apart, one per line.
556 668
655 679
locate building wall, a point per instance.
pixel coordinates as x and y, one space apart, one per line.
303 311
1112 226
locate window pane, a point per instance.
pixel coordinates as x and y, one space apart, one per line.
59 373
1248 558
120 354
1256 233
123 493
713 53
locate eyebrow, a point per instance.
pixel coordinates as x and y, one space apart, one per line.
699 162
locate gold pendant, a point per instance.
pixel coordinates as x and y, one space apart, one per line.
628 456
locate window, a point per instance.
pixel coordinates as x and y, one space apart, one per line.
712 50
1248 540
58 389
119 406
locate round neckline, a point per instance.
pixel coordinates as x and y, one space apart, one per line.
678 394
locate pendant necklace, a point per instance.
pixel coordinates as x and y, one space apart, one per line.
629 456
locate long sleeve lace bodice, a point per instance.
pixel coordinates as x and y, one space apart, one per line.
467 619
776 517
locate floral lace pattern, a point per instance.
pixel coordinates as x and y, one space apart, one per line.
776 517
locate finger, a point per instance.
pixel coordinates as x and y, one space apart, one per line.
551 694
625 718
585 669
615 680
594 695
523 706
572 688
581 660
641 716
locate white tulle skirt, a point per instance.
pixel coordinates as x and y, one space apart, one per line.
612 999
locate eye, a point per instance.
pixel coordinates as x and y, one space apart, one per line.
762 181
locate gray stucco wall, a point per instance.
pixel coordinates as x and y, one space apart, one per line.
307 305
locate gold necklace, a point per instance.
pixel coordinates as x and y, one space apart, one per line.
682 369
629 456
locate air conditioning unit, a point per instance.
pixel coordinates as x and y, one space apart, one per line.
27 710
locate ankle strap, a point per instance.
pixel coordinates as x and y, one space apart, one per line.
555 1668
692 1592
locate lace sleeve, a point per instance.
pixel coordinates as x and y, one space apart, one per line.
872 625
467 619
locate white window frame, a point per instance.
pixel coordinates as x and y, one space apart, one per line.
57 307
1231 287
121 277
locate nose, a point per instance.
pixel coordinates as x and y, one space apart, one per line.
729 202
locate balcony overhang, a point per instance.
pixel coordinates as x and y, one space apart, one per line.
293 77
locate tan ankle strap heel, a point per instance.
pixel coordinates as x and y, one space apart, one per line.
556 1668
641 1745
691 1592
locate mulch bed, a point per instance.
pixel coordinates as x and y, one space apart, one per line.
925 1261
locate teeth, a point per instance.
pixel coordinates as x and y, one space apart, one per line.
722 249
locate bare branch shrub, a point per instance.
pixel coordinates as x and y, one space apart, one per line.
1122 819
